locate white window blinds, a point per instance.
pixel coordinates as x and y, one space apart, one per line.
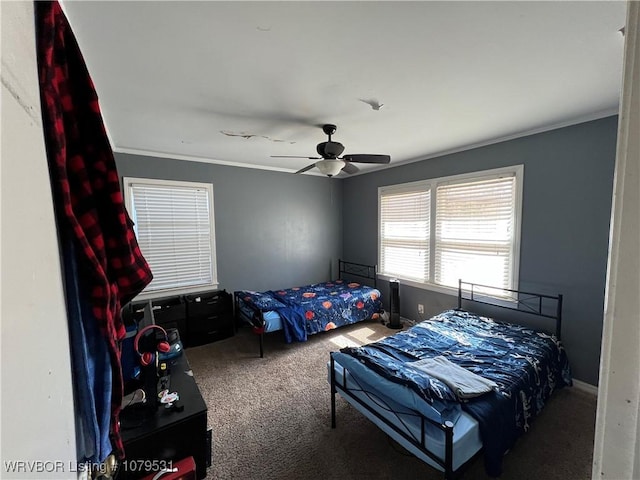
435 232
474 232
404 234
174 227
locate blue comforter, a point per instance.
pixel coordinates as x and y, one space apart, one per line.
526 365
318 307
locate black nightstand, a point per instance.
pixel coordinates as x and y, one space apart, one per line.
209 317
166 434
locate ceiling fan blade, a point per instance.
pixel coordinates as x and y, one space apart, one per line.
350 168
365 158
308 167
295 156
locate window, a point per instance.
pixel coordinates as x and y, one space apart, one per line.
467 227
175 230
404 232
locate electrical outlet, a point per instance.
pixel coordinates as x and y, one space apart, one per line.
420 308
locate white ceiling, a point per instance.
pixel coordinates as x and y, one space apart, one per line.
173 76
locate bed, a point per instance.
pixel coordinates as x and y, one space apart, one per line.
460 384
302 311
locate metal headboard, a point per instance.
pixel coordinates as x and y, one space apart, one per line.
525 302
359 270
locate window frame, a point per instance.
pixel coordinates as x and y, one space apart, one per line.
128 193
432 184
410 187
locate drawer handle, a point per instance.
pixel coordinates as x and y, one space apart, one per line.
210 301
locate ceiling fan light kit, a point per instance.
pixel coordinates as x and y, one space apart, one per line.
330 167
330 162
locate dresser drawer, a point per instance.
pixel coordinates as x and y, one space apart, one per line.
210 323
209 316
207 303
209 328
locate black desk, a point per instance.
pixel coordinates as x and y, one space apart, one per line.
167 435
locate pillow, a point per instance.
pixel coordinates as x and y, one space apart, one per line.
261 301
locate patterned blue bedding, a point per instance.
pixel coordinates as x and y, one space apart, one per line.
526 365
318 307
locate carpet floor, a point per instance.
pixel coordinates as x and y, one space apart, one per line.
271 419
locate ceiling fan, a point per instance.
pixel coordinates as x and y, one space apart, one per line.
330 162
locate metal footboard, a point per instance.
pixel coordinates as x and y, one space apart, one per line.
445 463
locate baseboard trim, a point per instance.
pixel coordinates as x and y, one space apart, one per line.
586 387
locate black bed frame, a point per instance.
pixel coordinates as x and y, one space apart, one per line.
521 301
345 270
517 300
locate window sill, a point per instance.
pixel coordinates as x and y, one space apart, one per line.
423 286
482 298
175 292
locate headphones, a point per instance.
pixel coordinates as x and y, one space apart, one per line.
147 358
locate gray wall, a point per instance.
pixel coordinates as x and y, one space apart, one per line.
277 230
273 230
568 181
